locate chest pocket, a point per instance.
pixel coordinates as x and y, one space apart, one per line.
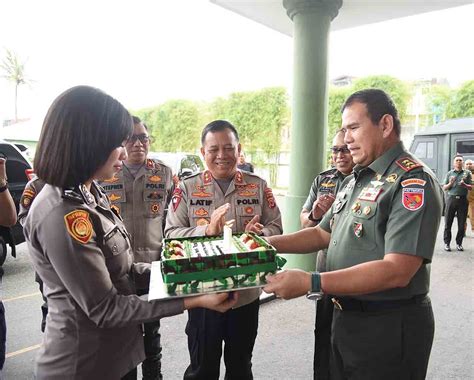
244 214
115 242
200 215
154 201
363 224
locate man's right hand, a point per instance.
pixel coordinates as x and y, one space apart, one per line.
216 226
322 205
220 302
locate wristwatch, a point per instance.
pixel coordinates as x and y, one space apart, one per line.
316 292
310 217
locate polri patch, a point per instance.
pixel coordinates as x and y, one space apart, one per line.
413 198
79 225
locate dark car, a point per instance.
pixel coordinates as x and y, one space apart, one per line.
182 164
19 170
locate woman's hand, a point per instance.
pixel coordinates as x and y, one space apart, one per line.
220 302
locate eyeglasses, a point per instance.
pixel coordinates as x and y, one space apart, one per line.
344 150
144 139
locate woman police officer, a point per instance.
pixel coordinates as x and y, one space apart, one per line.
81 249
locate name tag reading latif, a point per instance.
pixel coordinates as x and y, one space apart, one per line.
369 194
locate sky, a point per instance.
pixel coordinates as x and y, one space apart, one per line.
144 52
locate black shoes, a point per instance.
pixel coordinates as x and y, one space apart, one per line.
447 248
459 247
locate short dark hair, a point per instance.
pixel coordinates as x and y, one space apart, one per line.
378 104
137 120
218 126
80 130
458 155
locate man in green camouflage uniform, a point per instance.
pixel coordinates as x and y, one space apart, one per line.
381 233
321 196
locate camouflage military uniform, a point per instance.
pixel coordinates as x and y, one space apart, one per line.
392 206
189 214
81 250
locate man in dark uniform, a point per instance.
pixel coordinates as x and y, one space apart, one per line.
244 165
140 192
32 189
199 207
321 196
457 184
7 218
381 233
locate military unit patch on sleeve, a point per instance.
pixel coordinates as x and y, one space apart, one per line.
408 164
79 225
27 198
176 199
413 198
270 197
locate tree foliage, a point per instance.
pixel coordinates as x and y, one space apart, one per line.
14 71
397 90
259 116
173 126
462 104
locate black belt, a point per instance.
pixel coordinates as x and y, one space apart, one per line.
352 304
458 196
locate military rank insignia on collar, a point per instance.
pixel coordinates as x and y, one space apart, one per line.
207 177
79 225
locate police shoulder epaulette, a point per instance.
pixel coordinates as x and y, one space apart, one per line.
407 164
72 195
190 177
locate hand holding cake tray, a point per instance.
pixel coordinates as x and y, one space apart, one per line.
198 265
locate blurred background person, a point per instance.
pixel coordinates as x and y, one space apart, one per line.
244 165
7 219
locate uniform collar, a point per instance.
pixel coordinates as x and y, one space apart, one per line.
238 179
382 163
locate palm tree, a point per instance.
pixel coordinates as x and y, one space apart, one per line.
14 71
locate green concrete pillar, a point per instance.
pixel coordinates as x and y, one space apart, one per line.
311 19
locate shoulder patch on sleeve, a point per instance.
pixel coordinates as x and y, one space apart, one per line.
27 197
79 226
407 164
270 197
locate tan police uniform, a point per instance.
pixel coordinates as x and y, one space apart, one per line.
189 213
141 201
81 250
393 205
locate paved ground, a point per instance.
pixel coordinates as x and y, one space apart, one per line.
284 347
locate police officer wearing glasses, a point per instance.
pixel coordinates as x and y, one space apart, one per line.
321 196
139 193
380 233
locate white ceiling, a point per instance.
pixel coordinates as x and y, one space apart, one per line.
352 13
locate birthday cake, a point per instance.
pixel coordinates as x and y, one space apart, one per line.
201 264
